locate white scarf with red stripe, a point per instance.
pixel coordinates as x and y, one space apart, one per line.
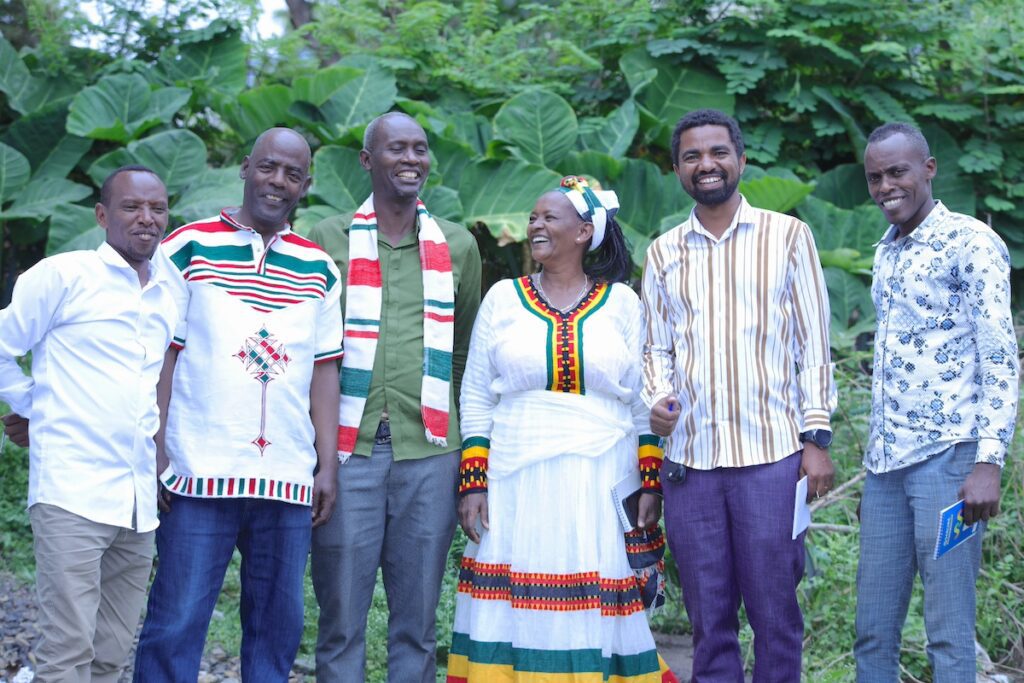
362 325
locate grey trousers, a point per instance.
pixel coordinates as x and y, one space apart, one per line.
91 581
399 516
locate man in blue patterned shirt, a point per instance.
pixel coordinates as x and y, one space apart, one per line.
944 400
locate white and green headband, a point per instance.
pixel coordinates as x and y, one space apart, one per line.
593 207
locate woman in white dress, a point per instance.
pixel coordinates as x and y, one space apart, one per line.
551 420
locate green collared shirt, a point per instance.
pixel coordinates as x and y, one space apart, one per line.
398 364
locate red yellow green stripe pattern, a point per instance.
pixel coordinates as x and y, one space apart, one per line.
470 662
473 468
651 455
565 333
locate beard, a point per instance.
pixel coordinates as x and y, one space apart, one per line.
717 196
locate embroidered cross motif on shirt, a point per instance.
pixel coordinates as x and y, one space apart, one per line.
263 357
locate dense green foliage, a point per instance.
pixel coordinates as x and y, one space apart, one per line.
512 95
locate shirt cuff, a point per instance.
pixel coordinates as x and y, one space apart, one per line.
991 451
473 469
650 454
816 419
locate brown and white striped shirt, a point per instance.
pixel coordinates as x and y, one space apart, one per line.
737 328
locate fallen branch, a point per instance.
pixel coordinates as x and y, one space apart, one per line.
835 494
842 528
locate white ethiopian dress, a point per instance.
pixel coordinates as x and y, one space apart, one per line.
551 419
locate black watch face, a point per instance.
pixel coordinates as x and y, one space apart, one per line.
823 438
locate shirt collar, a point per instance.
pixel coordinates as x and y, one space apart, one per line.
228 216
113 259
741 217
923 232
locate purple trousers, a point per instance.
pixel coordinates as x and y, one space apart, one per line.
730 532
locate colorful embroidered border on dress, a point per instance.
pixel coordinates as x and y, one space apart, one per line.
473 469
651 456
565 333
470 660
550 592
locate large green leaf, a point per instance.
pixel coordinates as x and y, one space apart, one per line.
501 195
853 130
306 217
844 186
360 100
598 165
209 191
834 228
14 172
954 188
254 111
540 126
443 202
177 156
849 298
26 93
122 107
646 196
773 193
218 63
318 87
45 196
612 134
64 156
73 228
339 179
450 158
677 89
473 129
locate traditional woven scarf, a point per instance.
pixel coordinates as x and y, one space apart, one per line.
594 207
362 325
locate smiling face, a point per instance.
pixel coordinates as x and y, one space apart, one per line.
900 180
400 159
135 216
556 232
708 167
276 177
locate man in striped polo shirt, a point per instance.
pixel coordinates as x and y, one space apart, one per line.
412 290
249 443
737 371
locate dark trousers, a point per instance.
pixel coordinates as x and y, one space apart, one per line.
730 530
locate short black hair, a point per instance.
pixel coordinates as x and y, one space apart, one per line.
907 130
130 168
707 117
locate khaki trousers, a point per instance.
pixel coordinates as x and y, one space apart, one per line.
91 583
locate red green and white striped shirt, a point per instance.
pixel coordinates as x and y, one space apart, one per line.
257 319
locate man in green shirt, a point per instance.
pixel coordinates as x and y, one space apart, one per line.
411 295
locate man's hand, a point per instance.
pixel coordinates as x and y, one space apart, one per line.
16 428
980 492
472 506
817 466
325 495
649 510
665 415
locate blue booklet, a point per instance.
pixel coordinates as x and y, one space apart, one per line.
952 530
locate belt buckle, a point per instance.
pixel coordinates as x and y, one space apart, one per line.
383 435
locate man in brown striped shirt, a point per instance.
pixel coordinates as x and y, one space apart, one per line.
738 373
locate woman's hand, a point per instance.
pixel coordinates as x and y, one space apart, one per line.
472 506
648 510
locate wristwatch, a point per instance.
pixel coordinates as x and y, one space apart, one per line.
822 438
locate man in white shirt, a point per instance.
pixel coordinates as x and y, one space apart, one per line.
97 324
943 404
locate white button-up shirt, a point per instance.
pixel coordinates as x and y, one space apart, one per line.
97 340
945 366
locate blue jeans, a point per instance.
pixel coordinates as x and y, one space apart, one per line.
898 526
194 543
